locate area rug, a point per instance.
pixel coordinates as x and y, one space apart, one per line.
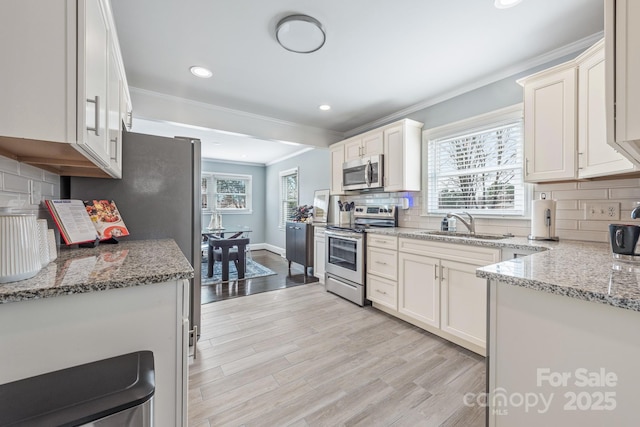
253 270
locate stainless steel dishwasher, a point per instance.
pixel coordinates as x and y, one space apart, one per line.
112 392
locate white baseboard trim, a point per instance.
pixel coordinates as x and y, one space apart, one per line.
268 247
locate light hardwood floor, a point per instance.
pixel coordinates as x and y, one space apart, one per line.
304 357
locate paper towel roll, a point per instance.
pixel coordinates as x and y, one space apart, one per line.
541 227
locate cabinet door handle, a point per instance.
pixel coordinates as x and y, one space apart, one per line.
580 160
442 273
435 271
96 102
194 333
526 167
114 149
130 114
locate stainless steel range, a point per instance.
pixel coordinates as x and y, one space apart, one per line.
345 257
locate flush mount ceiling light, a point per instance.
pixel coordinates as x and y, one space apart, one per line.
325 107
300 34
201 72
505 4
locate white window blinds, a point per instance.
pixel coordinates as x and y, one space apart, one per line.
480 171
288 194
226 192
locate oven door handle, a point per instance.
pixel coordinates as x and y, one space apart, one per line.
354 237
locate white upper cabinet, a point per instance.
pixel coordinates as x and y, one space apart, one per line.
365 145
622 36
62 86
565 114
337 159
398 142
115 106
402 156
550 112
93 70
595 156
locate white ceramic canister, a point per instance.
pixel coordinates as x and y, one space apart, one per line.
19 246
53 247
43 242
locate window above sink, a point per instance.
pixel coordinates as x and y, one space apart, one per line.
476 165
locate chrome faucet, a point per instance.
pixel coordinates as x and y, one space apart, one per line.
635 213
471 225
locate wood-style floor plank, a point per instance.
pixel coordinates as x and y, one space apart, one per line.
300 356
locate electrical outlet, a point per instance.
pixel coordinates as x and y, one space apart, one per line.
602 211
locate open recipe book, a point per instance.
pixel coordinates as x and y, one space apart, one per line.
81 222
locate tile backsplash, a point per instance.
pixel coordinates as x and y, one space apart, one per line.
19 180
570 215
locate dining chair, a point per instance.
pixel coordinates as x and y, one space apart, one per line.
225 250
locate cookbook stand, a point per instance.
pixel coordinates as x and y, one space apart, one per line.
95 243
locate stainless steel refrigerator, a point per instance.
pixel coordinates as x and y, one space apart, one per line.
158 196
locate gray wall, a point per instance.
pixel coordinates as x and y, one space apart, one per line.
493 96
254 220
313 174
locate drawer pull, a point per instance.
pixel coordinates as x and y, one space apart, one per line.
380 262
381 292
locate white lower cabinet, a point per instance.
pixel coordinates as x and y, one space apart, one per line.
319 253
463 310
382 291
437 289
49 334
419 288
382 270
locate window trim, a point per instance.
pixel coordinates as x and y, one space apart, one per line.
281 175
467 126
225 176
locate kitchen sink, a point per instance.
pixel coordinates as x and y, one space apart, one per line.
467 235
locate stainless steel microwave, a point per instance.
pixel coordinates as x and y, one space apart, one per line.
363 174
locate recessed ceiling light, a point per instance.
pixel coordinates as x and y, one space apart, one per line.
201 72
505 4
325 107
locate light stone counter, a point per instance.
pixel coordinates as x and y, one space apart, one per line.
581 270
108 266
423 234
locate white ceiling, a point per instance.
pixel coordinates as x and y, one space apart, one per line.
380 56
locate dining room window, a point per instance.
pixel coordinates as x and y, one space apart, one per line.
288 195
227 192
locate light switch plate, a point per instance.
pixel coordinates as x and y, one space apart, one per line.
602 211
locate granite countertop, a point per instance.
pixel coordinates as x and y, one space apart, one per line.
108 266
581 270
509 242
